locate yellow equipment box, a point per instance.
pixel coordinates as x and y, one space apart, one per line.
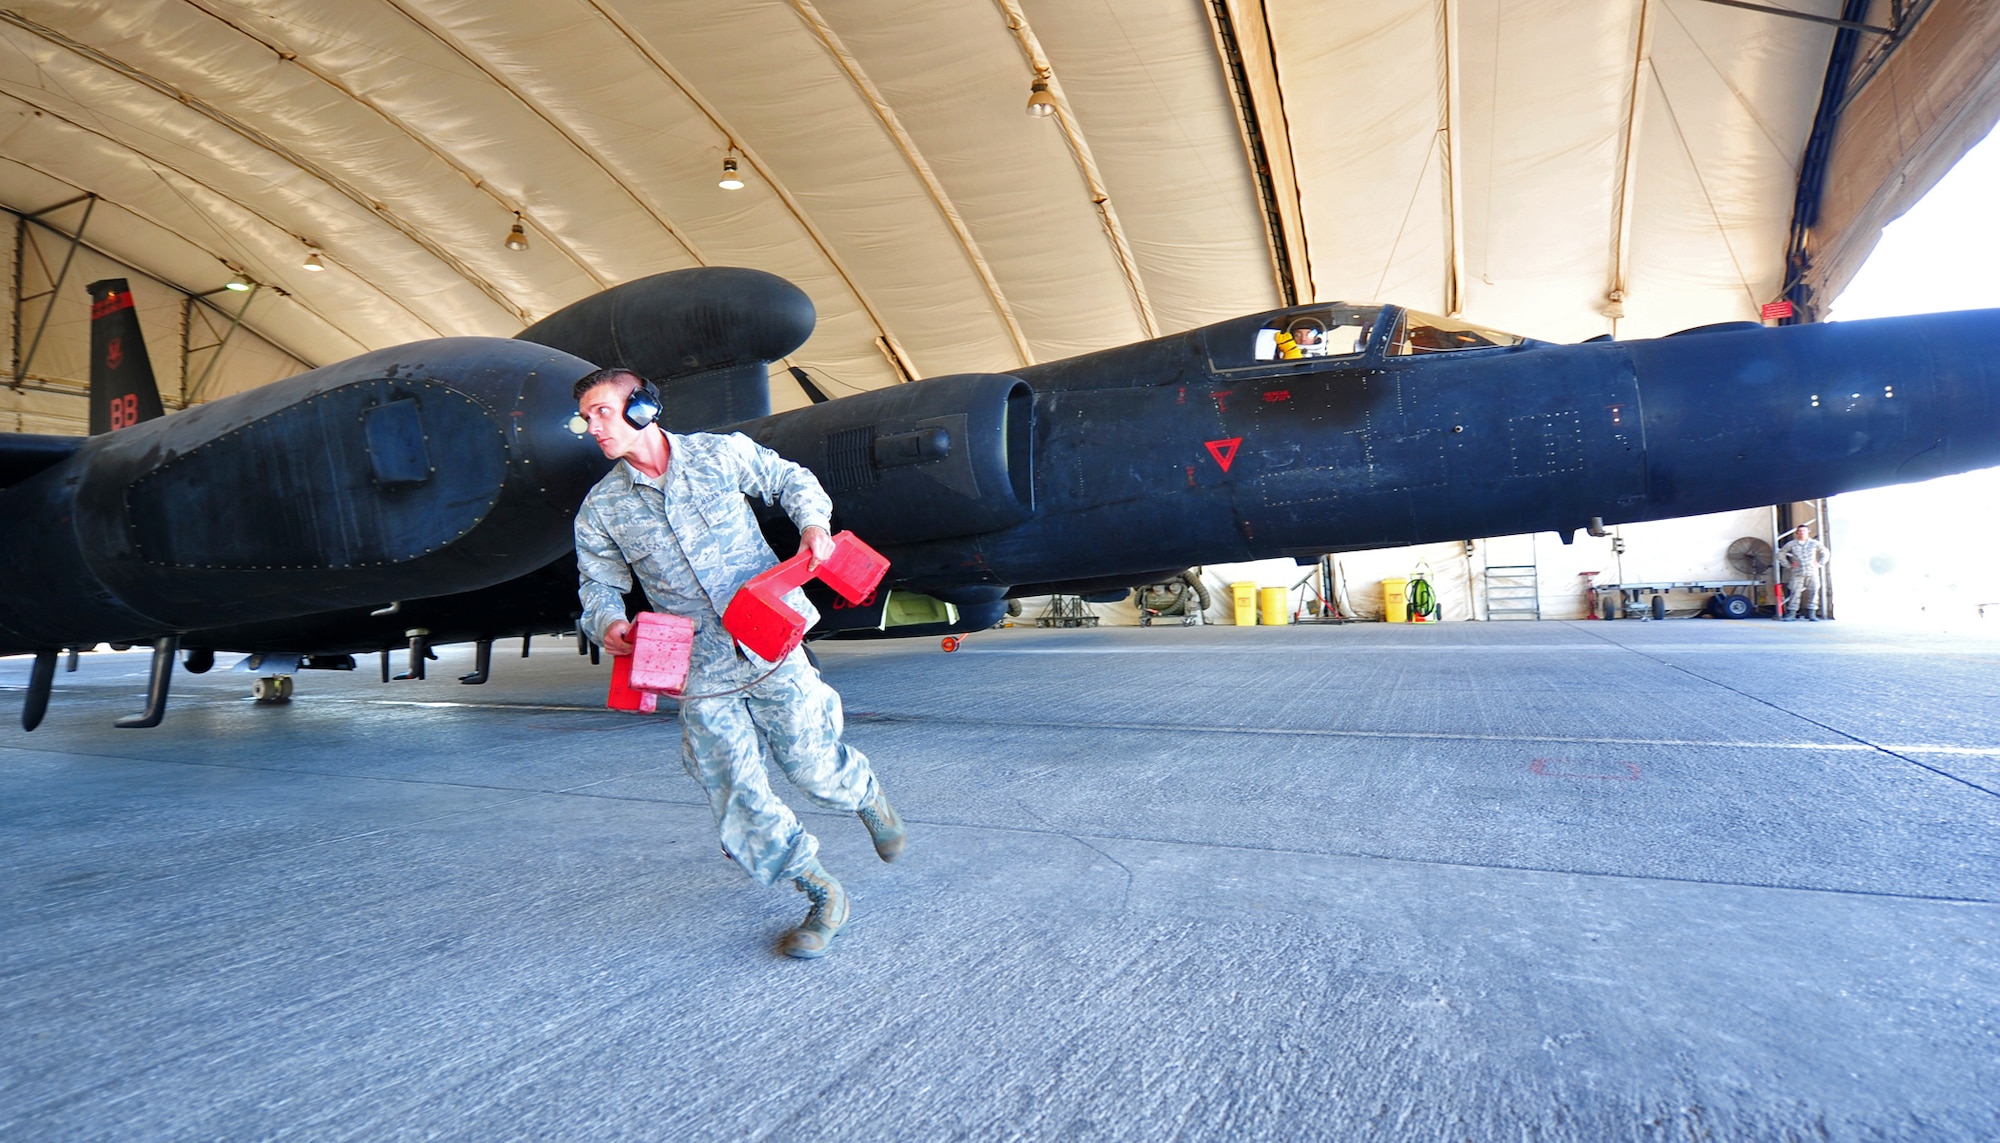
1396 600
1244 598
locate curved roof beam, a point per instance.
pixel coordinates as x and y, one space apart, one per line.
259 139
477 182
1086 162
589 153
1628 168
1450 115
1250 64
751 157
157 165
908 146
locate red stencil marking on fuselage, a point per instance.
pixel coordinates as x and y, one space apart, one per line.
1224 452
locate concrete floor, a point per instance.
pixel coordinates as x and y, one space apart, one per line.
1557 881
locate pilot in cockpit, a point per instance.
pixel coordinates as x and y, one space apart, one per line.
1305 337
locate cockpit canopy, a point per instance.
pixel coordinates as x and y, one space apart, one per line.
1417 332
1338 330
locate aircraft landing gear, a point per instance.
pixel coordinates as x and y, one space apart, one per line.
40 680
949 643
482 663
272 689
156 688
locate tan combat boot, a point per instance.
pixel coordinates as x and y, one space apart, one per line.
884 825
827 915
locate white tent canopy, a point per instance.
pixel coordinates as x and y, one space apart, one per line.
1532 164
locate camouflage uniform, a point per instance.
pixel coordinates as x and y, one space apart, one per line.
1804 559
692 541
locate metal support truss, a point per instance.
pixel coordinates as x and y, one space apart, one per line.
23 361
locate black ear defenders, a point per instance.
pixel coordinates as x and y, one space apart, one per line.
642 406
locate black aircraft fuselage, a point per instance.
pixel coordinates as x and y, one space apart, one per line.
1107 469
1315 429
1188 449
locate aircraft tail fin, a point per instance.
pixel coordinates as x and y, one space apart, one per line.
122 390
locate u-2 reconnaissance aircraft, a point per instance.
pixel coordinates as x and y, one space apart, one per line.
424 494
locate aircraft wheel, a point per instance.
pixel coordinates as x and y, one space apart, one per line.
272 689
949 643
198 661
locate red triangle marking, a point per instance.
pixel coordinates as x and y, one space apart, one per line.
1224 452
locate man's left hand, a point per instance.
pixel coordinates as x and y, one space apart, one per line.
815 541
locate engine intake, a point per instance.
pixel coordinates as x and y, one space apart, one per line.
950 456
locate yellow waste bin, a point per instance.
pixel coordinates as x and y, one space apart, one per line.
1395 600
1243 597
1276 604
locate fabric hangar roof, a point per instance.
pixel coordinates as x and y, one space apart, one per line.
1534 165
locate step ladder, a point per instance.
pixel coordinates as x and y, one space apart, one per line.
1513 592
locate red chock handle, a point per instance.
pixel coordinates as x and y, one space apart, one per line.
758 616
854 568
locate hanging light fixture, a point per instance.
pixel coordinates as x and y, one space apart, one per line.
517 236
1041 104
730 179
313 261
239 283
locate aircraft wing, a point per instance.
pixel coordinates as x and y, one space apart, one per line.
22 455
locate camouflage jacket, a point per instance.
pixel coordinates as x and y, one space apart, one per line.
689 536
1807 554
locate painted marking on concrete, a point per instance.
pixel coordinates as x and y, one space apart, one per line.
1584 768
1422 646
444 704
857 716
1850 746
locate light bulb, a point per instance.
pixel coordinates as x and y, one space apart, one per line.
1041 104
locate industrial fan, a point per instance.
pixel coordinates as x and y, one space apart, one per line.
1750 555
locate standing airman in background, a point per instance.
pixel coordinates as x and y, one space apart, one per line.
1802 559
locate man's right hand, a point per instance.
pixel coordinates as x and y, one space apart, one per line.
617 637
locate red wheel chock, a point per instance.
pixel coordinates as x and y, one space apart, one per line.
762 622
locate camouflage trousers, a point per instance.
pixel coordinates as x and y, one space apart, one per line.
793 718
1802 590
